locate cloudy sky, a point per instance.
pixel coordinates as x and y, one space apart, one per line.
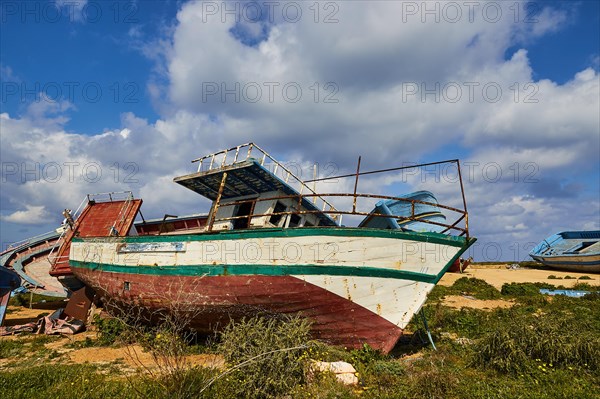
107 95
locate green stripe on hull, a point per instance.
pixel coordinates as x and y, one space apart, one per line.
435 238
264 270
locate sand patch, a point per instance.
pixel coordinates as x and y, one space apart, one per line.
497 275
135 356
459 301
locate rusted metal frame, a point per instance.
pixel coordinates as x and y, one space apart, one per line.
388 197
363 196
455 223
213 214
312 212
356 185
462 230
462 191
382 170
251 214
278 164
335 211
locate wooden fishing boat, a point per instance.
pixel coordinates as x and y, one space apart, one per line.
570 250
272 245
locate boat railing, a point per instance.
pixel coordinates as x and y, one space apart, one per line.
28 241
244 152
457 225
335 214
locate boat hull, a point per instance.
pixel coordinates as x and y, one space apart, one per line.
570 250
358 286
584 264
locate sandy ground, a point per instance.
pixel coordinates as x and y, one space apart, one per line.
497 275
457 302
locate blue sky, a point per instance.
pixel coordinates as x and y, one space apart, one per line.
123 85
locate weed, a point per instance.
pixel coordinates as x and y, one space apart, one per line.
548 339
266 355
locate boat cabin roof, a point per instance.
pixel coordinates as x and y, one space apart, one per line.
244 178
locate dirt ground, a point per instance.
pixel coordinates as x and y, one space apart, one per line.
457 302
497 275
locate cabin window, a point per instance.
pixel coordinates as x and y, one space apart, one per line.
126 286
308 224
242 210
275 219
295 220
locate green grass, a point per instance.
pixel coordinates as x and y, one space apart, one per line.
538 348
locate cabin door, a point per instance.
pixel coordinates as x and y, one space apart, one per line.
242 210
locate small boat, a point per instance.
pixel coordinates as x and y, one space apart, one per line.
270 245
418 211
570 250
460 265
9 280
29 259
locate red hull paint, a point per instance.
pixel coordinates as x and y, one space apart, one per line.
218 299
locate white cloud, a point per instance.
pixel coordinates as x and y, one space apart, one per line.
32 215
398 82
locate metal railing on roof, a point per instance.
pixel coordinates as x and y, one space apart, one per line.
243 152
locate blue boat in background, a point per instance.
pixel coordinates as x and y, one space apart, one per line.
570 250
401 215
9 281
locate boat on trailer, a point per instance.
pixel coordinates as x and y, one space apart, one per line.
570 250
271 245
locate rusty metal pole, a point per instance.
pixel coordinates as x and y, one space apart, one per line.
213 214
356 185
462 191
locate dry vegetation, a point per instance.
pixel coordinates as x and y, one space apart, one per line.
532 346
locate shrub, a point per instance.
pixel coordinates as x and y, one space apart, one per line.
478 288
524 289
109 329
266 355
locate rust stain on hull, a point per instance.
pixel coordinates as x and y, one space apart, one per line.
218 299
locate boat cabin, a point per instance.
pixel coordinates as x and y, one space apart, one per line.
246 194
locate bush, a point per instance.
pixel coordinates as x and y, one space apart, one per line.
524 289
475 287
109 329
266 356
